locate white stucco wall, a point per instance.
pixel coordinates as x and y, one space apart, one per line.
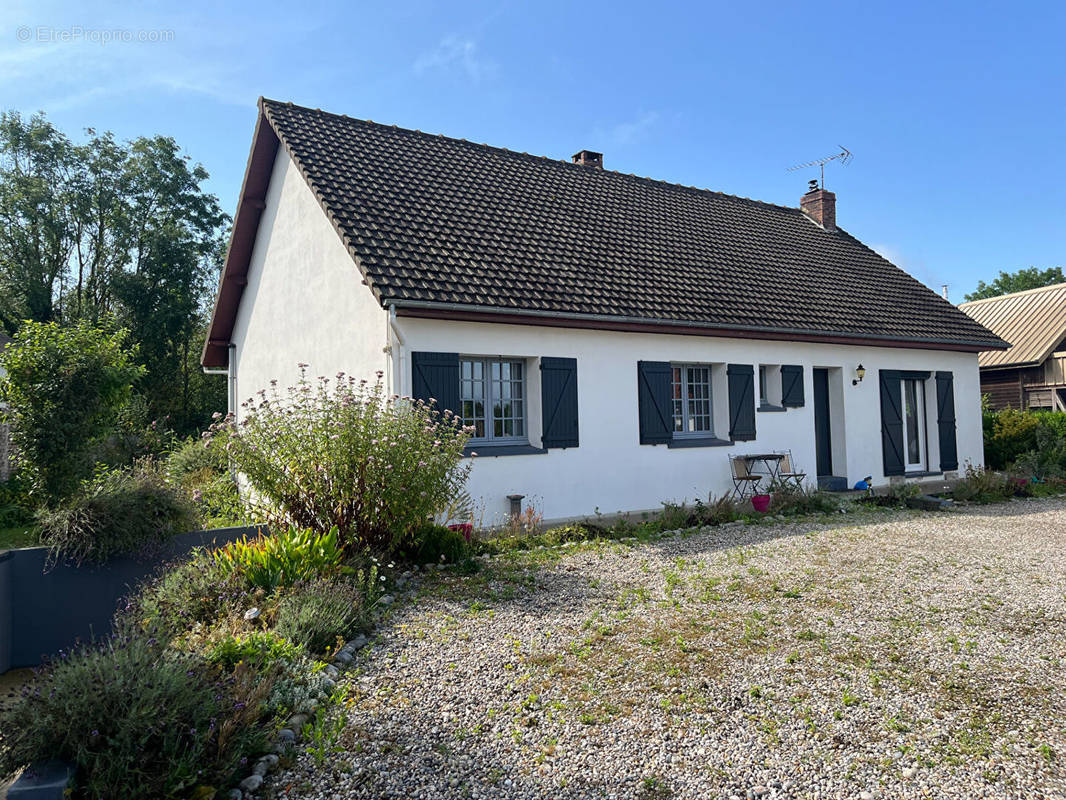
611 471
305 301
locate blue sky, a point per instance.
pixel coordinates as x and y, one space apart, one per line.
956 112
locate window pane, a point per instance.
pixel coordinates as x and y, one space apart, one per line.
472 396
676 390
698 405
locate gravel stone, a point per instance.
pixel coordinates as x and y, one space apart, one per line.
252 783
874 654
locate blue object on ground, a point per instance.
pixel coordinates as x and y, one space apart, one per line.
862 486
46 780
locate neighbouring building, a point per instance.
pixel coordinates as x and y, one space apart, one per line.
1031 373
611 338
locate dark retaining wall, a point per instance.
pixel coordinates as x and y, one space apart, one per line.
43 612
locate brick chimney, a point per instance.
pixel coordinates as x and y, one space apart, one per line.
589 158
821 206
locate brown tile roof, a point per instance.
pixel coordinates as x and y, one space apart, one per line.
435 222
1034 322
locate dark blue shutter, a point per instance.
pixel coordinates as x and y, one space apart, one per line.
436 376
891 422
558 401
945 420
792 386
741 402
653 399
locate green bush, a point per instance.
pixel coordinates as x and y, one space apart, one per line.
259 649
434 544
301 685
282 558
137 720
117 513
983 486
319 613
195 591
201 468
1008 434
678 516
346 455
191 458
790 500
64 389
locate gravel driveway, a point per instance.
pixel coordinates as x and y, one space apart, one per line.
888 654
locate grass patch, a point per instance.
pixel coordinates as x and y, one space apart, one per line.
12 538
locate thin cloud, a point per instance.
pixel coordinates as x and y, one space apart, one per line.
455 53
915 267
629 131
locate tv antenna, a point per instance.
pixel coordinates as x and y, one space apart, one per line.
844 157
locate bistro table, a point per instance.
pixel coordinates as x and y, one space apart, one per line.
771 461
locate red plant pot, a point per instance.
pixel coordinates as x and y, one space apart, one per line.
760 502
465 528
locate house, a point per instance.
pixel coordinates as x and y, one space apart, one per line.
613 339
1031 373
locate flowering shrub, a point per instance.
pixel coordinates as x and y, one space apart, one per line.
342 453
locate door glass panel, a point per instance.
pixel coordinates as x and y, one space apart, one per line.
911 417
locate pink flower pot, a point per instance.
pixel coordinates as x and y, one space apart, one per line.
760 502
465 528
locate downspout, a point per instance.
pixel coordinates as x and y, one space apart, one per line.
231 378
398 353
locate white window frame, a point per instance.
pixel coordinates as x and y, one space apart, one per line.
917 426
686 416
491 389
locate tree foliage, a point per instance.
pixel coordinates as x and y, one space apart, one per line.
1008 282
64 388
109 229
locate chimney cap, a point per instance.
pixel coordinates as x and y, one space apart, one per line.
590 158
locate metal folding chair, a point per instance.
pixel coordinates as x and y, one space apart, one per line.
787 472
744 483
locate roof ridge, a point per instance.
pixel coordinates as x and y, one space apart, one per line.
264 101
1047 288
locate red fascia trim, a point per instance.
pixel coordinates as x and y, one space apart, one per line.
242 239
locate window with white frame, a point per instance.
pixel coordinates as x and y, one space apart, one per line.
691 393
914 422
763 380
492 392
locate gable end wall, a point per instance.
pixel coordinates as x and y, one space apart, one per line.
305 300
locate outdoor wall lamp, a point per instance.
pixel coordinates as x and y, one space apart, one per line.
860 373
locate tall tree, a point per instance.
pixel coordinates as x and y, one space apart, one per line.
1008 282
121 230
37 234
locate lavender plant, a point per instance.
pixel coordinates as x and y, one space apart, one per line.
344 453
